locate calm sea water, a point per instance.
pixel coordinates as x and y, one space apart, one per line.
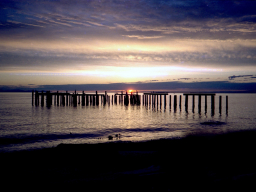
25 127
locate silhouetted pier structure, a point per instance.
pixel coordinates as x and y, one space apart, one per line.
199 95
154 98
126 98
132 97
58 98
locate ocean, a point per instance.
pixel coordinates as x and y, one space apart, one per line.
27 127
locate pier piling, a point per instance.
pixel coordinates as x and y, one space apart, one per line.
186 103
180 102
170 101
220 104
205 104
58 99
226 104
175 102
193 103
199 103
42 99
63 99
132 97
33 98
213 104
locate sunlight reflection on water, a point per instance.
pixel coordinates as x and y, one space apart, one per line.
38 127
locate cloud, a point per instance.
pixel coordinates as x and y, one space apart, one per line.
200 36
143 37
238 76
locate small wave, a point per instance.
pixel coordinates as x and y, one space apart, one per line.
213 123
42 138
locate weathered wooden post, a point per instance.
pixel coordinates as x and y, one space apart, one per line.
175 102
220 103
160 99
106 95
93 100
32 97
36 98
75 99
42 99
170 102
126 100
58 99
70 99
63 99
205 104
83 99
97 98
66 98
193 103
213 104
180 102
131 98
54 100
48 98
226 104
186 103
87 99
164 100
199 103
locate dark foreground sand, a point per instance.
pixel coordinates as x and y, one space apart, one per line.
201 162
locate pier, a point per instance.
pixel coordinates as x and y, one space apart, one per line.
74 99
153 99
199 95
57 98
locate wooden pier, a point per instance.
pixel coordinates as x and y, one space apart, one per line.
57 98
133 97
199 95
153 99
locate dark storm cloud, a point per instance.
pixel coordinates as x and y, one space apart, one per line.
197 18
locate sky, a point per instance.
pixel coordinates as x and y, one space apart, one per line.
64 42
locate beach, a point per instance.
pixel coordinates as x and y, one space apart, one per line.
203 162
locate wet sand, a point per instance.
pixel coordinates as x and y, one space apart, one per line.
201 162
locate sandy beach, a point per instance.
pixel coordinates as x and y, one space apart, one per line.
202 162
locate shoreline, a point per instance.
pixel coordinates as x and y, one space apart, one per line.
196 161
